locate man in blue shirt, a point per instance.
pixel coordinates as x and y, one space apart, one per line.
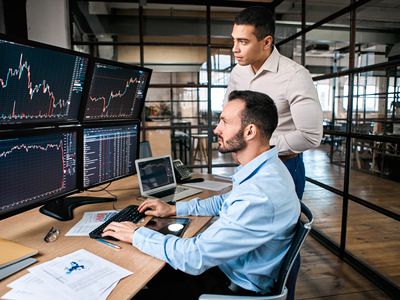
240 253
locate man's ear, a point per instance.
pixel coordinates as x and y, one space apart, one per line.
268 42
250 132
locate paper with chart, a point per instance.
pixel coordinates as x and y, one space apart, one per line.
79 275
90 221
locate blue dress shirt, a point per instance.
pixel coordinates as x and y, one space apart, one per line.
252 234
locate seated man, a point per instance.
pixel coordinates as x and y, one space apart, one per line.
241 252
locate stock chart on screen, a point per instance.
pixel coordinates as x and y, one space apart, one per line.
36 167
116 92
38 85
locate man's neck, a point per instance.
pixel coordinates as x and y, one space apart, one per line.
255 67
249 153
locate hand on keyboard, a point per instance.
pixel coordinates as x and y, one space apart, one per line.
157 208
129 213
122 231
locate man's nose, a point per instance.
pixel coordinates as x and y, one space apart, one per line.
235 47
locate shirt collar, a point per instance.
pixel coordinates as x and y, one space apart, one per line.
271 63
243 172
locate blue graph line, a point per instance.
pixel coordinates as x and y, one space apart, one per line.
74 267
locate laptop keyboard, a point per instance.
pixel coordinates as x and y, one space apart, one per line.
178 189
129 213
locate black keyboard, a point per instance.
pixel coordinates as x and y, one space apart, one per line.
129 213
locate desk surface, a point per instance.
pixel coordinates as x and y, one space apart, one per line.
30 227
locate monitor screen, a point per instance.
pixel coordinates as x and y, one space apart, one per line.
117 92
39 84
109 152
36 167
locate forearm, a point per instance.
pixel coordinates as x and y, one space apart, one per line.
199 207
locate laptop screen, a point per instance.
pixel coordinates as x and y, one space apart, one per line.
155 173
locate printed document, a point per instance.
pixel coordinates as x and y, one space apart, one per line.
78 275
90 221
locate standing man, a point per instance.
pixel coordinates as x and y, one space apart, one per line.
241 252
263 69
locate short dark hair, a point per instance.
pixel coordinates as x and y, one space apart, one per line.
259 109
261 18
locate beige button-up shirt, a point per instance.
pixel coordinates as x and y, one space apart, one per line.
291 87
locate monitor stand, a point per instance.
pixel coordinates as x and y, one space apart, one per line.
61 209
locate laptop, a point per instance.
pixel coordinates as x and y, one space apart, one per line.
156 178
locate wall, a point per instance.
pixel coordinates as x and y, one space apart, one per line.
48 22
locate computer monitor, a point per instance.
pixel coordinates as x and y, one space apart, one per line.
39 84
117 91
36 166
109 152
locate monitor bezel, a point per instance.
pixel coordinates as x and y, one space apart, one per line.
41 131
35 44
89 78
81 155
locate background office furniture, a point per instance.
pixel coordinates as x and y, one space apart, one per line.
181 140
280 292
145 149
200 148
160 138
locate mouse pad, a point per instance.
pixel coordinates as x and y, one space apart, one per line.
175 226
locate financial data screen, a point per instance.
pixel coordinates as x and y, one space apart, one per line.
109 153
116 92
155 173
35 168
38 85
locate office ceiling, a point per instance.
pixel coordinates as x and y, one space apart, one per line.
378 21
375 14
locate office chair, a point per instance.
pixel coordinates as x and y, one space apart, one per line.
280 289
145 149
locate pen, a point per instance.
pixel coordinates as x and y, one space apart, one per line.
108 244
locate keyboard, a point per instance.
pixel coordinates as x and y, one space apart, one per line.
129 213
178 189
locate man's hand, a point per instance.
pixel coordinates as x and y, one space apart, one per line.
122 231
157 208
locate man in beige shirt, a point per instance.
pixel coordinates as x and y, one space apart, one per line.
260 67
263 69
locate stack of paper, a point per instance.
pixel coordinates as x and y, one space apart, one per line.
79 275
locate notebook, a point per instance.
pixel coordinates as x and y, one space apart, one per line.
12 252
156 178
15 267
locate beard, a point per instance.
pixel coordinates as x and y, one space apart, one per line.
235 144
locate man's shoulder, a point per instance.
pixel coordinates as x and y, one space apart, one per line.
289 65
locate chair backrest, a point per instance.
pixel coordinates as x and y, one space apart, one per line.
302 230
145 149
